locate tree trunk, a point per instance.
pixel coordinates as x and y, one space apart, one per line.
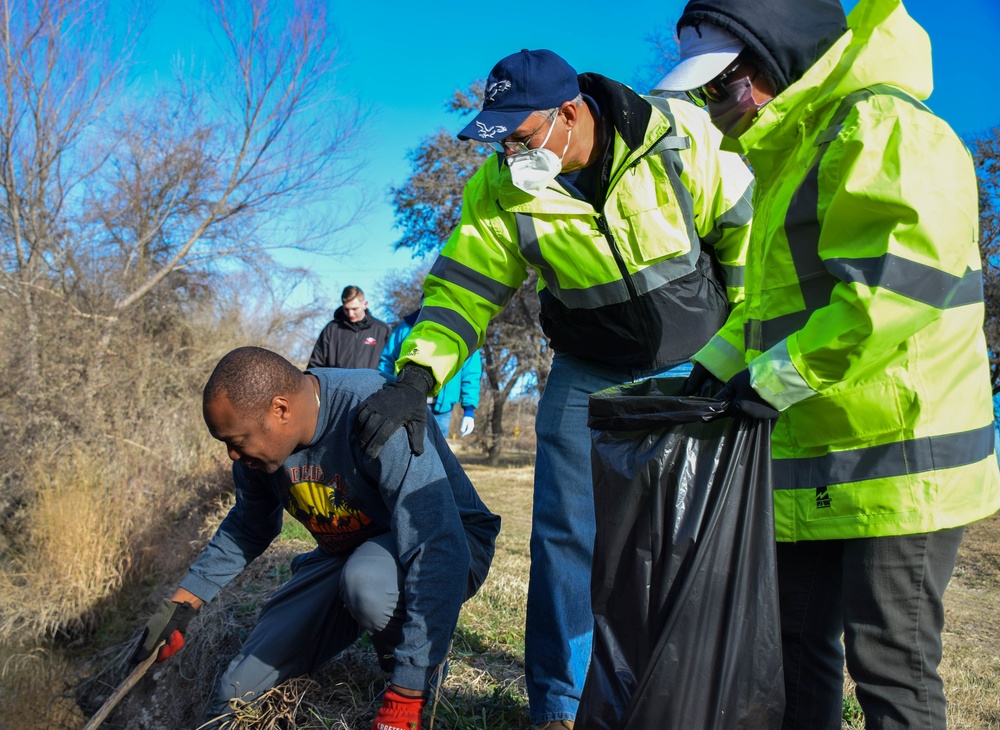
30 343
496 428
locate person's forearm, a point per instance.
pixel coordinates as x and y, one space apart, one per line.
182 595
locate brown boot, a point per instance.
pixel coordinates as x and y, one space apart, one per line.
555 725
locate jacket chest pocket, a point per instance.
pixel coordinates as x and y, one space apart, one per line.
861 416
651 235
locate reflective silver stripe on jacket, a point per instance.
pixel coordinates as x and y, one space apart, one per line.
914 456
669 148
493 291
817 278
598 295
453 321
923 283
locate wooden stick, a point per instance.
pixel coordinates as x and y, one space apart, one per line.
123 688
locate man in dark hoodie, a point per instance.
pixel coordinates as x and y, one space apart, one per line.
861 334
353 338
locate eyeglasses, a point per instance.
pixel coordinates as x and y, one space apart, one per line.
716 91
521 145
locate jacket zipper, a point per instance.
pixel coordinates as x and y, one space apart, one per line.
602 225
633 295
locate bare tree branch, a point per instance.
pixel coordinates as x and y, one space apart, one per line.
232 167
986 155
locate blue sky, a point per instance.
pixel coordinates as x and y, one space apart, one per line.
404 60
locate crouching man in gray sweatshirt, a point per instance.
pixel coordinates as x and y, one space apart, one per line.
403 540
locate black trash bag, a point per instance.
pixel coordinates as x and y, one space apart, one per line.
684 585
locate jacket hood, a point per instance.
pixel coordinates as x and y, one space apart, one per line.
619 105
788 36
883 45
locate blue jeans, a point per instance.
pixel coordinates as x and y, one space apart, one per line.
444 421
884 596
559 623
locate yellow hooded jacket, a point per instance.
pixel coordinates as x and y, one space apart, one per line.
864 303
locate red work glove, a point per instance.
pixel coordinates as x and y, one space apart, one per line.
169 624
399 712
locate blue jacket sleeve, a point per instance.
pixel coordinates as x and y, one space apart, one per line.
390 353
252 523
472 374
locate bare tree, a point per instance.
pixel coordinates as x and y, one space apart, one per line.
514 351
402 291
986 154
216 177
61 68
663 56
108 199
429 204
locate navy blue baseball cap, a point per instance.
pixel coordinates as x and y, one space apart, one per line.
518 85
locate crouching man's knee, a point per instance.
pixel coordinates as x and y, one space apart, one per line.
371 585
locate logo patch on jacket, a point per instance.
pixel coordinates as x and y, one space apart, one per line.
371 341
822 498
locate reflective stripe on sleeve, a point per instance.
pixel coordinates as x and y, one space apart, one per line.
491 290
736 217
775 377
454 322
917 281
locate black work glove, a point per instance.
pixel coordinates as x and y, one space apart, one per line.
744 400
700 382
168 624
401 403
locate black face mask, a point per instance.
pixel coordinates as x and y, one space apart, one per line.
734 114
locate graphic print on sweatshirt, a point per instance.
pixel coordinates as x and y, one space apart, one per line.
323 506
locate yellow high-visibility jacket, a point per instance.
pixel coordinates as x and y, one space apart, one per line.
634 285
864 301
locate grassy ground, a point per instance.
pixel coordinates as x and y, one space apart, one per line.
485 686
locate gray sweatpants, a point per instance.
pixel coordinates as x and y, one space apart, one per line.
326 605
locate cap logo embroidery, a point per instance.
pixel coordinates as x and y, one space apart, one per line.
490 132
497 87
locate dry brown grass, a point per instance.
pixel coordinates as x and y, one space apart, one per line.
79 549
971 663
107 474
485 686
